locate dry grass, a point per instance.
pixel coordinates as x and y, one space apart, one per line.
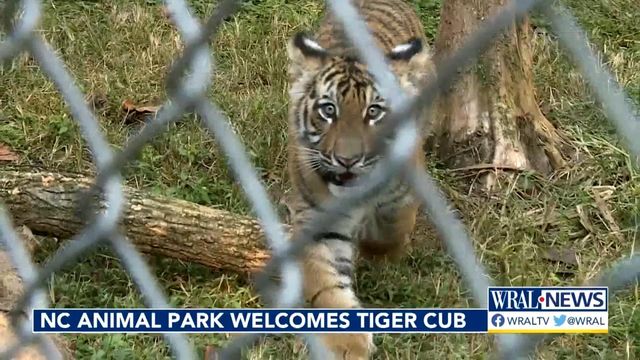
120 50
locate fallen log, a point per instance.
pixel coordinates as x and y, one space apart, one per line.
47 204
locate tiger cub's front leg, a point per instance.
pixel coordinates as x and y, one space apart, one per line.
328 271
388 232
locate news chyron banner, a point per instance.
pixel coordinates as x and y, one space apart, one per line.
510 310
513 310
259 320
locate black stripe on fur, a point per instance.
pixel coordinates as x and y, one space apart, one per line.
344 266
337 286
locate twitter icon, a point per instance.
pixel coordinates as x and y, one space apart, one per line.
559 320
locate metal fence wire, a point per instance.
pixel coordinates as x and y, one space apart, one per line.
188 83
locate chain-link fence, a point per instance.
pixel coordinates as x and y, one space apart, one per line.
188 83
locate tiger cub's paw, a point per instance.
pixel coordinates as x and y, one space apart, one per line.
350 346
381 251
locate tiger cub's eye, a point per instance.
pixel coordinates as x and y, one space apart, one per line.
375 113
327 111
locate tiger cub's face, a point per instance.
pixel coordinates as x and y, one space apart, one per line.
336 110
337 119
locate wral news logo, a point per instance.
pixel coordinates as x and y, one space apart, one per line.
548 310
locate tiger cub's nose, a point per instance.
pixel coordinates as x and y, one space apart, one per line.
347 162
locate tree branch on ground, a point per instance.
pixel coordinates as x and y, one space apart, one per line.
47 204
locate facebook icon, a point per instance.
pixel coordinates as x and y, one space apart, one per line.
497 320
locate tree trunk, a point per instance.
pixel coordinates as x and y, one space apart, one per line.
46 203
490 116
11 288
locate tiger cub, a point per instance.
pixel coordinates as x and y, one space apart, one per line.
335 110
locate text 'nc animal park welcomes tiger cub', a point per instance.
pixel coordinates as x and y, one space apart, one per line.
335 111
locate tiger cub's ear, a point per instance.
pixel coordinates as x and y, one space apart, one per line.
406 51
305 54
412 58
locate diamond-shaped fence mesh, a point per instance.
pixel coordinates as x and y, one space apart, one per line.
188 83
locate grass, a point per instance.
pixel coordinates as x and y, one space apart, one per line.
121 50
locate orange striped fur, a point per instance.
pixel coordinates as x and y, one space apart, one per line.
335 113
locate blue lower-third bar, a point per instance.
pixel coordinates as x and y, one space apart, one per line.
259 320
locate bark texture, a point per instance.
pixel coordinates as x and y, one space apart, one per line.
47 203
11 287
491 116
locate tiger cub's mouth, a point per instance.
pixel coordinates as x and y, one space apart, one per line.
345 179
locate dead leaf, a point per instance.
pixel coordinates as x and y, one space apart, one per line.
48 180
605 192
138 113
547 216
584 219
606 213
563 255
128 105
6 154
